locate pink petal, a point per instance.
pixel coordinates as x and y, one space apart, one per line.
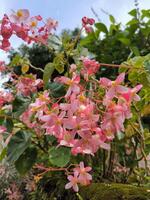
76 188
120 78
68 185
105 82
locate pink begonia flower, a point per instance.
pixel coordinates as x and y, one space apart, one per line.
87 23
38 17
2 129
114 118
73 182
21 31
53 124
20 16
130 94
73 68
27 85
68 139
84 177
6 32
26 118
5 97
41 102
113 88
2 66
51 24
86 20
33 22
72 83
91 66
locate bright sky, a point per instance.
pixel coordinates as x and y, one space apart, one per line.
70 12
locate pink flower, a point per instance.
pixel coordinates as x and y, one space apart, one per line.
33 22
87 23
51 24
28 85
84 177
2 129
2 66
5 97
72 83
113 87
130 94
90 67
73 182
20 16
53 124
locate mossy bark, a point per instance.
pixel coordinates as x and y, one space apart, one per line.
101 191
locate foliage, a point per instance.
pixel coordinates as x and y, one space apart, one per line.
54 123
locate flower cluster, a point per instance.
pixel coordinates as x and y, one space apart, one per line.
117 100
80 176
90 67
5 97
26 85
24 26
2 66
87 23
76 122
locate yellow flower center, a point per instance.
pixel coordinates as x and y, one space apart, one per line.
33 23
82 98
69 82
19 13
58 122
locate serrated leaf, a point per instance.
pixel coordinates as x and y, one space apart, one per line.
26 160
59 156
48 71
17 145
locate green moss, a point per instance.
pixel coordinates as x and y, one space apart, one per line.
101 191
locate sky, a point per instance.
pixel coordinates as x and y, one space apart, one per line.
69 12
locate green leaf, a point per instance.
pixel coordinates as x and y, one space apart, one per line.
55 42
112 19
59 62
133 21
20 104
101 27
17 60
56 89
90 38
17 145
135 50
147 65
133 12
3 154
125 41
8 123
59 156
48 71
145 13
26 160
